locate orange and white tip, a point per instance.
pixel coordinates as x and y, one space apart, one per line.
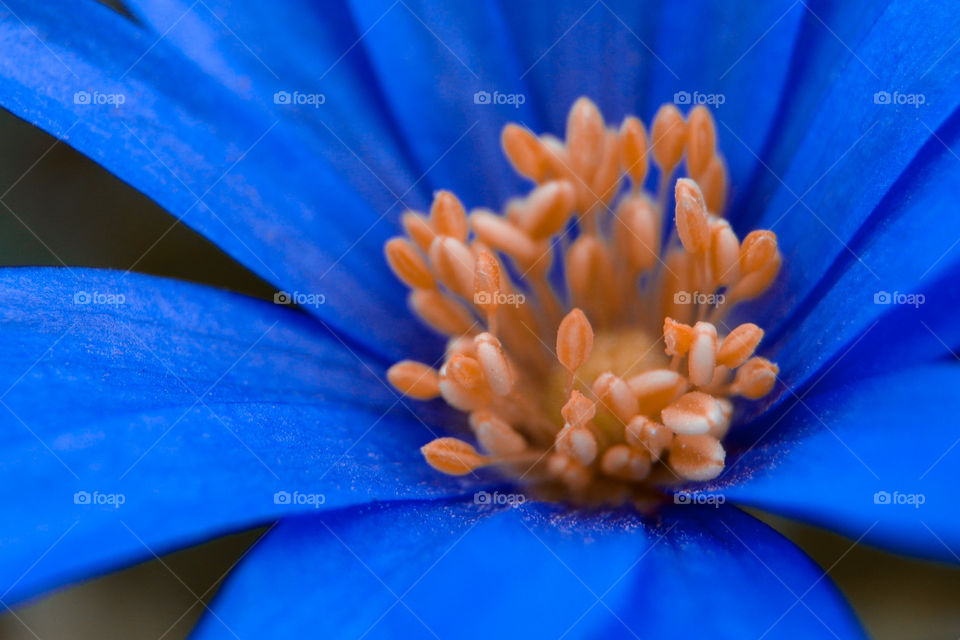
452 456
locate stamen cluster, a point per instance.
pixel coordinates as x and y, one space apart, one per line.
569 388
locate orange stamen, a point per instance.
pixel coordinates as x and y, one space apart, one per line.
453 457
583 399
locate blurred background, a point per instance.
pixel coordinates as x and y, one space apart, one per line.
61 208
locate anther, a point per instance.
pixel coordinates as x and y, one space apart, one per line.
585 136
453 262
465 371
713 183
579 410
703 353
739 345
406 264
574 340
667 137
458 396
701 140
754 284
495 435
547 209
496 366
440 312
633 150
615 394
486 286
525 152
755 378
757 250
692 413
691 216
414 379
759 265
447 216
677 336
697 457
452 456
461 344
656 389
578 443
626 462
724 253
500 234
418 228
646 434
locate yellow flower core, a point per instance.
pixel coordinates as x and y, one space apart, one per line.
622 381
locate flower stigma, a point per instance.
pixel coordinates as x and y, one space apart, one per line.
618 377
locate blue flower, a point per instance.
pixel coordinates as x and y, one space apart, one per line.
142 414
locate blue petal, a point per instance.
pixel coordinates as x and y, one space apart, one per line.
258 49
516 49
909 333
431 61
630 57
461 570
854 150
738 65
194 404
830 35
874 458
891 291
571 48
257 186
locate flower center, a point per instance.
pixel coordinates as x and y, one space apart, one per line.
617 378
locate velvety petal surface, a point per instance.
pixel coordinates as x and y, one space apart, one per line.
864 187
451 80
532 61
874 458
268 52
631 57
140 414
890 292
454 569
735 58
237 170
827 42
